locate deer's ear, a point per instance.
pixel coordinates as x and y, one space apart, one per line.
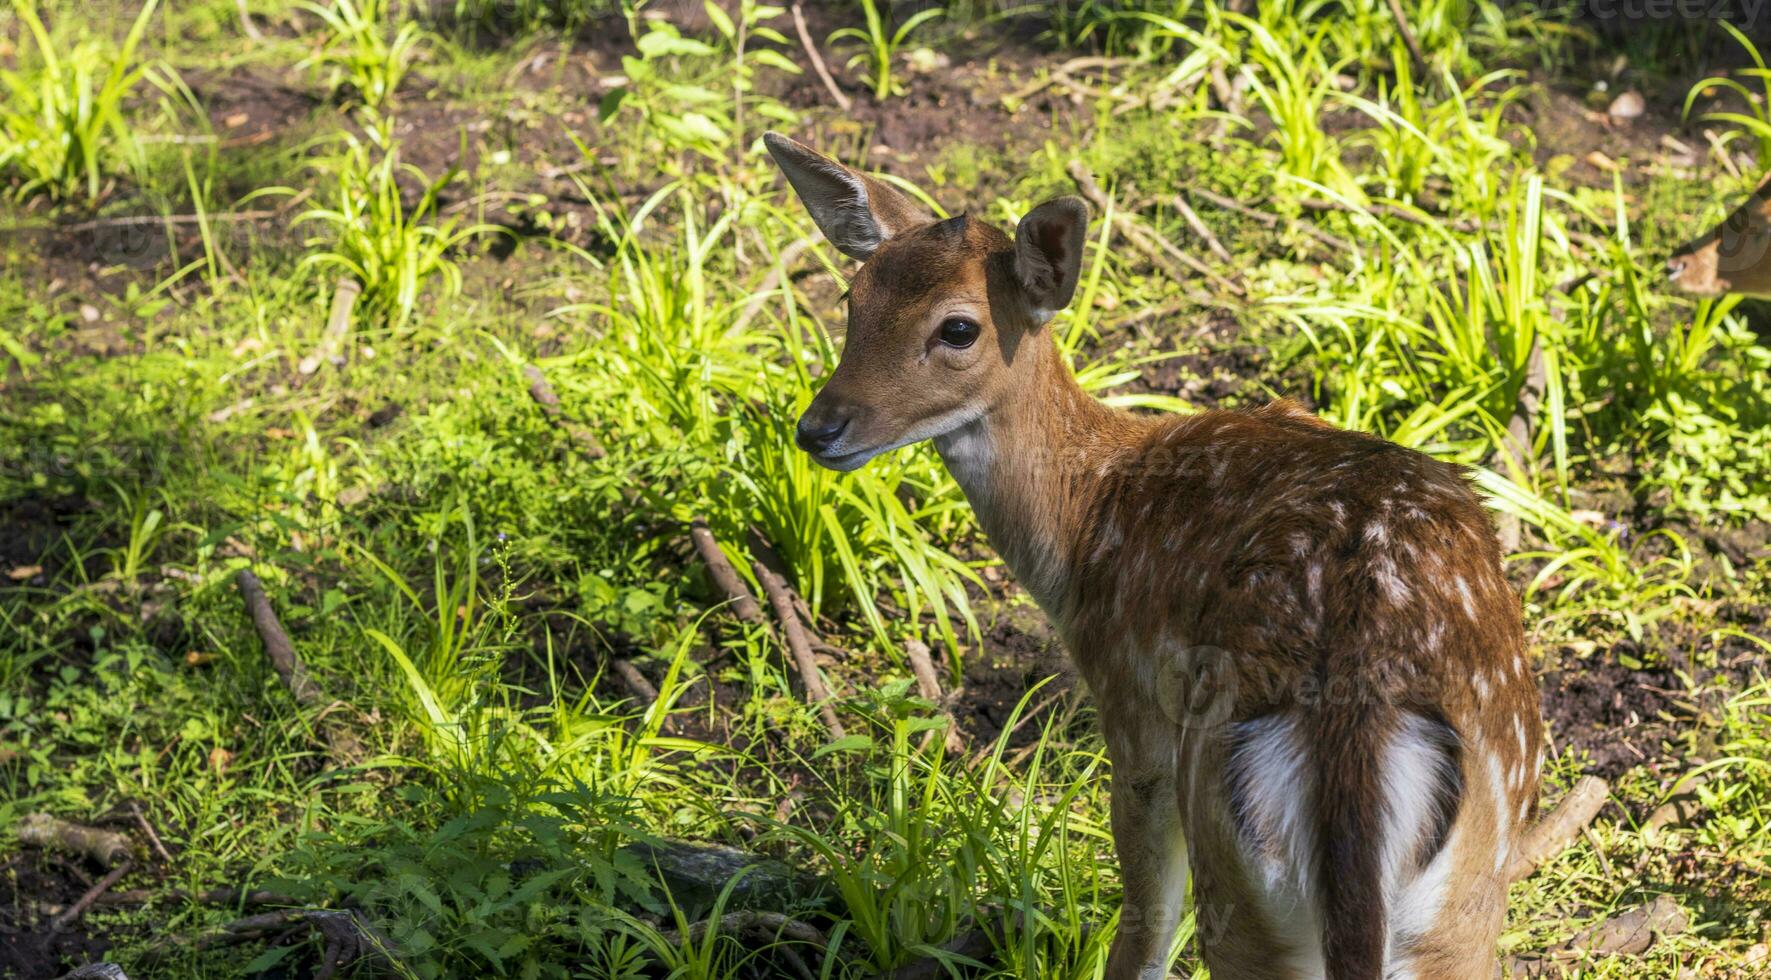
853 210
1048 254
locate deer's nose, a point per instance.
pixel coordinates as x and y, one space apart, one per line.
818 432
1674 266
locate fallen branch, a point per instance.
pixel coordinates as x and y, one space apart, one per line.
549 403
1200 228
1629 933
1560 826
50 833
73 912
343 744
1156 248
228 895
719 568
277 647
638 685
772 925
1414 51
929 686
805 40
96 971
798 644
345 936
338 325
136 220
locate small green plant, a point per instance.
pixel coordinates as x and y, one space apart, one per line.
367 48
391 251
63 126
880 45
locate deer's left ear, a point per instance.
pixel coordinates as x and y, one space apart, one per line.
1048 254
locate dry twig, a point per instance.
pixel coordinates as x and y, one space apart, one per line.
805 39
338 326
719 568
1408 38
73 912
799 645
141 820
1200 228
760 294
549 403
929 686
344 746
1562 824
1156 248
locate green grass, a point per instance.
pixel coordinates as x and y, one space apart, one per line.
460 575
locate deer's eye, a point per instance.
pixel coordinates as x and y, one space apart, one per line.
957 331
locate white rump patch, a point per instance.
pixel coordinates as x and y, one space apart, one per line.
1272 778
1417 767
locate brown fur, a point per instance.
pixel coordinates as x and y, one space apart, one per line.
1732 257
1269 611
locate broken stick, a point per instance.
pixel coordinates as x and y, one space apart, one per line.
276 642
805 40
1629 933
1551 836
720 569
338 326
929 686
549 403
51 833
798 644
1156 248
74 911
281 652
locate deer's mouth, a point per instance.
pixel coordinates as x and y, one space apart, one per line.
844 462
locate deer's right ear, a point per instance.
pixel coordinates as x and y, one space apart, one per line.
1048 254
853 210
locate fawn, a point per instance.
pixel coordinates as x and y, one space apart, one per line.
1309 670
1733 256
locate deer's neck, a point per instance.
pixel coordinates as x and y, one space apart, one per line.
1034 469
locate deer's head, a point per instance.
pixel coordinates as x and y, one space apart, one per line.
1732 257
941 313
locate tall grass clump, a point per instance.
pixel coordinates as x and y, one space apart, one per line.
367 49
391 250
64 125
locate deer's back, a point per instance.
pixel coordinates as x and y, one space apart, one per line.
1325 564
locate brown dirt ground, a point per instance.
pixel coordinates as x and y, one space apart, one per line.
1619 716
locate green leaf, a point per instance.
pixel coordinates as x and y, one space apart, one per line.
848 743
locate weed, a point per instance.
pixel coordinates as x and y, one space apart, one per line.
66 124
880 44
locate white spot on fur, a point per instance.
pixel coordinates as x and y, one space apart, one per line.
1481 689
1502 813
1463 594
